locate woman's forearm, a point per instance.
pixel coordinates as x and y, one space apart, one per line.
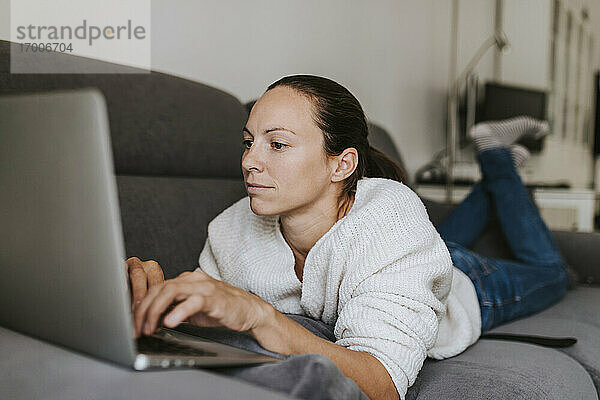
282 335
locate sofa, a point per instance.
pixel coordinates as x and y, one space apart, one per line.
176 147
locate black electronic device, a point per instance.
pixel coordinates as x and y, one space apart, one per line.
500 101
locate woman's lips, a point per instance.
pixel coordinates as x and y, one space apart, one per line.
251 189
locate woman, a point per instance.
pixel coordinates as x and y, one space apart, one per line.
316 237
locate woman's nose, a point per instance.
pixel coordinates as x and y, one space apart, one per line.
252 159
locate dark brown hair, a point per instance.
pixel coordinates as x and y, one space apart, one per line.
341 118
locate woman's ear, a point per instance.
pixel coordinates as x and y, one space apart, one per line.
345 164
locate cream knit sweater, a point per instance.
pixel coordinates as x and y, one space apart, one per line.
382 275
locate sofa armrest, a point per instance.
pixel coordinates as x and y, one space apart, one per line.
581 251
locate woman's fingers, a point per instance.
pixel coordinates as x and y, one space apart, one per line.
154 273
138 285
200 300
166 296
183 310
157 300
138 279
139 316
142 275
131 260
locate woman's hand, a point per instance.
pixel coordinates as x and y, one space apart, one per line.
201 300
142 275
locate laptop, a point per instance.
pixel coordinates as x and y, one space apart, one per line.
62 257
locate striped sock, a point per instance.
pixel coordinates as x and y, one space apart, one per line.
520 154
490 134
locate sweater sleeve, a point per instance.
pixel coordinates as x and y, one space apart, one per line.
393 302
207 262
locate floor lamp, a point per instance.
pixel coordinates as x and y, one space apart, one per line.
501 42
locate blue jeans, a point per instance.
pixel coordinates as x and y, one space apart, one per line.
506 289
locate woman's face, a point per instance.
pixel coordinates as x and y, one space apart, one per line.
284 155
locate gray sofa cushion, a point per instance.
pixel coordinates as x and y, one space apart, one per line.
166 218
494 369
581 251
576 315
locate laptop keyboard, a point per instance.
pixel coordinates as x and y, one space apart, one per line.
156 345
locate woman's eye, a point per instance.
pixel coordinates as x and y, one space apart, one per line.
277 145
247 143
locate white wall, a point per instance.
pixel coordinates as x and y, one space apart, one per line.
528 25
392 56
475 25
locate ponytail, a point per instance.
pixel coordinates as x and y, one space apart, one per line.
379 165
